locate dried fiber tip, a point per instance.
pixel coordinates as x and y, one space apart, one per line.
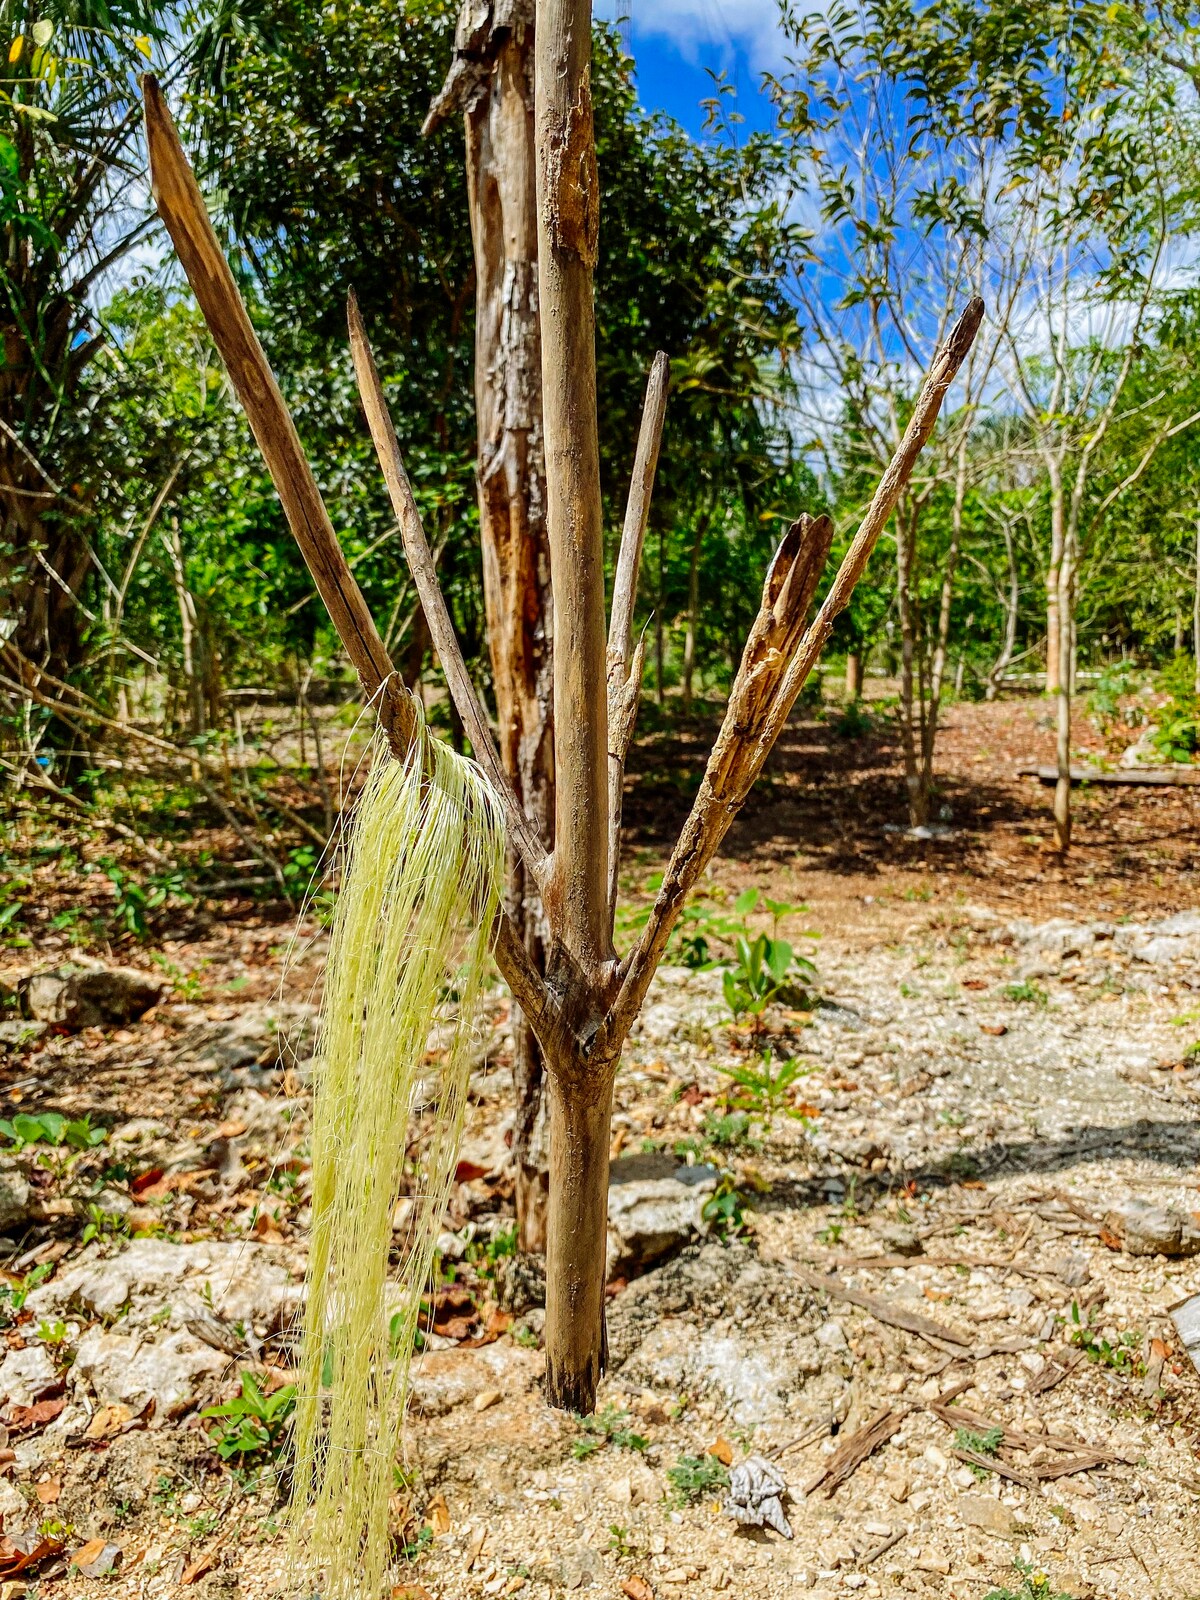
422 869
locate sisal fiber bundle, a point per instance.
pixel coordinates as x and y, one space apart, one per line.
422 869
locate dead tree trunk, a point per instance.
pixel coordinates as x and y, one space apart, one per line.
585 1006
491 82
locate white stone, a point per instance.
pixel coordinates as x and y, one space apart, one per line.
26 1374
122 1369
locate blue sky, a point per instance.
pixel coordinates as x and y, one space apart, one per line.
675 43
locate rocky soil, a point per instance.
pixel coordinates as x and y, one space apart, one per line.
941 1286
910 1276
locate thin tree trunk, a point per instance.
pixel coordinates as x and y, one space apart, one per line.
854 675
693 611
1000 666
1054 585
577 892
910 690
1066 674
1196 612
937 675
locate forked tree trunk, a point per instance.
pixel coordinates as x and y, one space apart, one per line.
491 80
587 1003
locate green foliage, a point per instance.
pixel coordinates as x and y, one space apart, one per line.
251 1426
1034 1585
1027 993
1177 723
694 1478
763 1090
50 1127
767 971
610 1426
14 1295
103 1224
725 1209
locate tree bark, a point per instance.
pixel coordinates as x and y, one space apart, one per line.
1065 683
577 892
492 79
1053 583
693 610
854 675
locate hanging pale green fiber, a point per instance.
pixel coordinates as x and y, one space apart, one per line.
422 869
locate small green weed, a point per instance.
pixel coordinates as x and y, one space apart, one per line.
610 1426
103 1224
986 1443
1034 1585
49 1127
728 1130
694 1478
253 1424
763 1091
1026 992
725 1209
1120 1357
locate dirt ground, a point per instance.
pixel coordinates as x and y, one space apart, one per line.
919 1292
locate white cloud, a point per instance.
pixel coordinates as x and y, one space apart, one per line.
695 26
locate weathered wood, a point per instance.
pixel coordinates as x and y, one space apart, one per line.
850 1455
974 1458
1150 777
576 895
182 208
885 1310
624 675
491 82
751 727
424 573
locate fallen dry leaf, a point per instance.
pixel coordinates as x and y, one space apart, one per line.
996 1029
230 1130
202 1564
1110 1239
497 1323
438 1513
265 1229
25 1550
48 1491
468 1171
107 1422
722 1450
22 1418
637 1588
411 1591
97 1563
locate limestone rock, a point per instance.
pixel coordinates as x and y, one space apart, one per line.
87 994
1149 1230
243 1282
26 1374
1187 1325
15 1195
986 1512
120 1369
651 1217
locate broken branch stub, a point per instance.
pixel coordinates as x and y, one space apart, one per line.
766 687
437 615
182 208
